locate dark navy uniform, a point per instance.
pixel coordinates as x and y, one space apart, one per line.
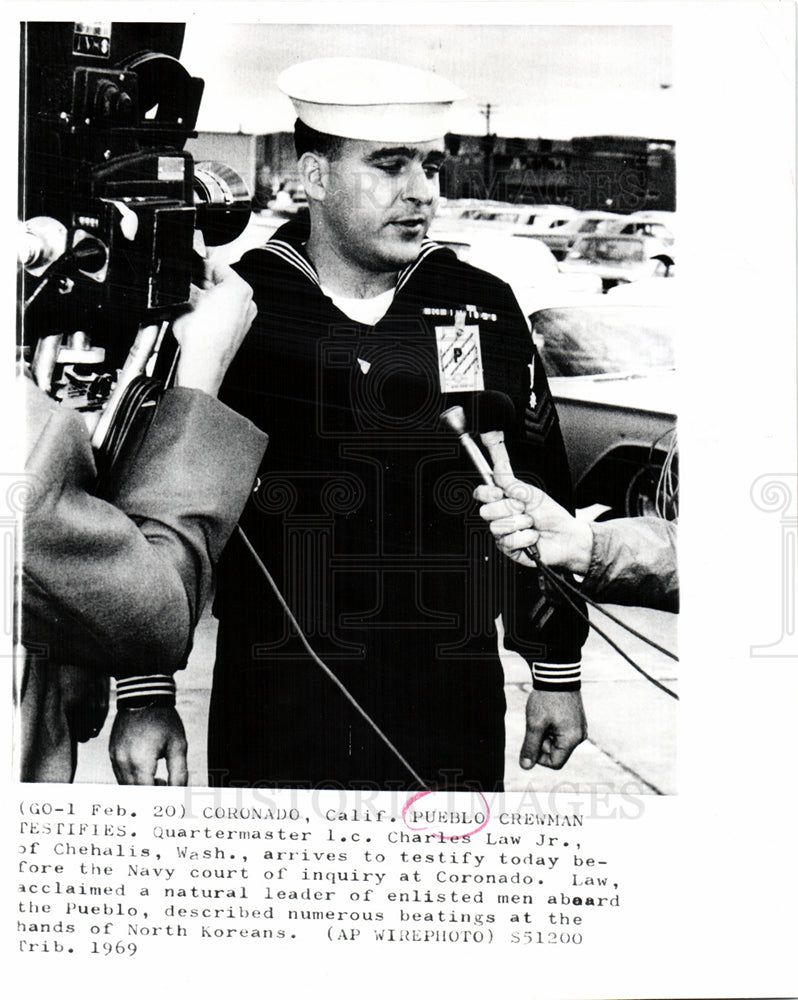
365 519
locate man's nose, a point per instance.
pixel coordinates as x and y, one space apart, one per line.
421 186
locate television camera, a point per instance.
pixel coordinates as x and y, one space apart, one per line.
116 212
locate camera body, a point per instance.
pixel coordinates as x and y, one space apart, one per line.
112 201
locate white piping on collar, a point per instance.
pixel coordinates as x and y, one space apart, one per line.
427 247
291 255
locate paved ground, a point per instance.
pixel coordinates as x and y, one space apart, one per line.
631 746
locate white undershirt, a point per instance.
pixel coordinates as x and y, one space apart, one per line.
366 311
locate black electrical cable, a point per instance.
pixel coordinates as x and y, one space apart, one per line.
562 586
141 391
594 604
454 418
318 660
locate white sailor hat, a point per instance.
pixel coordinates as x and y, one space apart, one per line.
369 99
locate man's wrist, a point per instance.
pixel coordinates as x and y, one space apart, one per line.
204 381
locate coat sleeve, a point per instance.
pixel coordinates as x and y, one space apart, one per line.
539 624
634 562
119 584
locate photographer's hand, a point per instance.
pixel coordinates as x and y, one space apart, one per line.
213 328
140 738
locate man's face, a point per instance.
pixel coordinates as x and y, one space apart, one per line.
380 201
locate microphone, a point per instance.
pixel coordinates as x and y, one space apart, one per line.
489 412
492 410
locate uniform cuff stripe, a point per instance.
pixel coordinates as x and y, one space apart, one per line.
140 687
557 673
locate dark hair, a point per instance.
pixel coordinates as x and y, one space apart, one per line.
308 140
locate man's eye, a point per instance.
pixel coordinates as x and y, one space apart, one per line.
432 169
391 167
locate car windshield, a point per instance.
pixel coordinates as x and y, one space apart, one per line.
490 215
544 222
595 340
647 228
626 249
594 225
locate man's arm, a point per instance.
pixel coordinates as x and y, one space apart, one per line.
123 582
538 624
625 561
119 585
633 561
147 726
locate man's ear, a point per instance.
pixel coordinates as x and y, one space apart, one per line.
314 172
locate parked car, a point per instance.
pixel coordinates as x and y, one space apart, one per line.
560 239
611 371
526 265
459 208
649 290
521 219
617 257
660 225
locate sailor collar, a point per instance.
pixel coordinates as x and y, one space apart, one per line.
288 244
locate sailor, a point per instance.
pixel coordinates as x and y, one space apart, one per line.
366 331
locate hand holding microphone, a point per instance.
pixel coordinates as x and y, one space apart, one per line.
521 516
212 329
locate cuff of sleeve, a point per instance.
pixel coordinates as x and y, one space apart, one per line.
138 692
599 555
556 676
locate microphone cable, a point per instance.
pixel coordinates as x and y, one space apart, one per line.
140 392
454 417
563 586
319 662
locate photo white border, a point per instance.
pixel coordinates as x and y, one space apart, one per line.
713 866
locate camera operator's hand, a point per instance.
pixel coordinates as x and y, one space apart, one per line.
212 329
140 738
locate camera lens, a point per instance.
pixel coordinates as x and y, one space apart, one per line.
111 102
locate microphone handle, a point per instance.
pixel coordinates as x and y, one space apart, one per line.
494 442
479 460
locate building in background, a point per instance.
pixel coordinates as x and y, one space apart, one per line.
239 150
618 173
